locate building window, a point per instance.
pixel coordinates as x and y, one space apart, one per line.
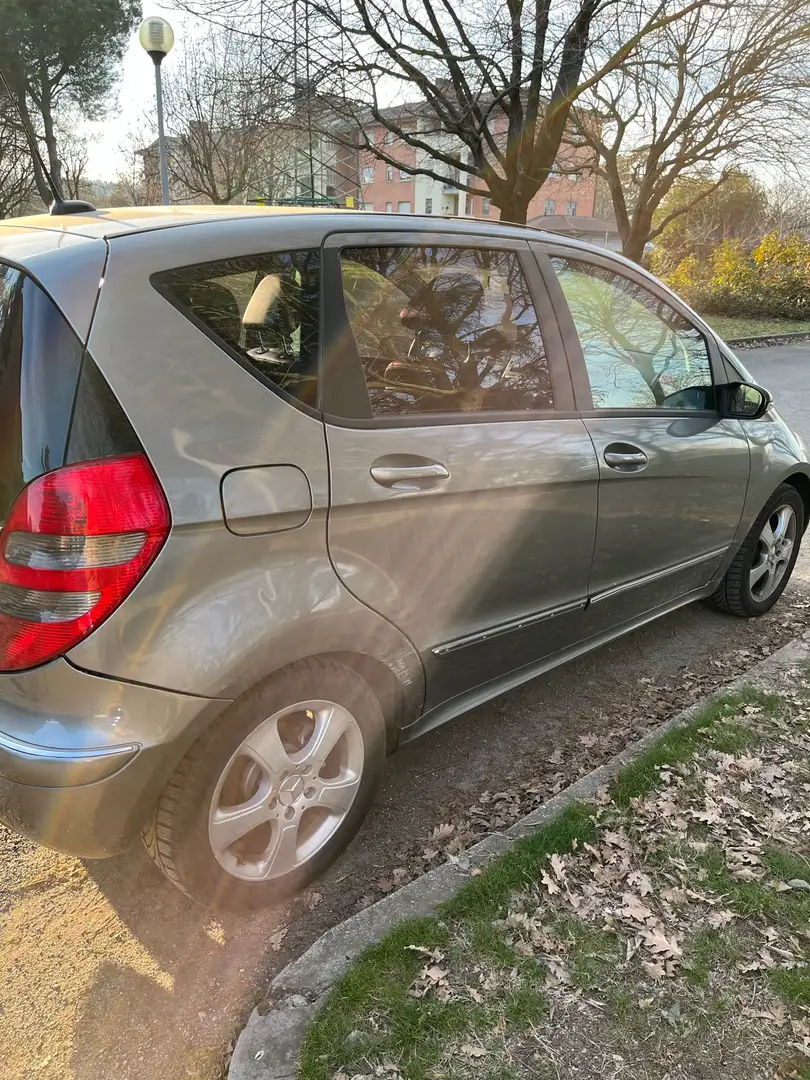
571 209
549 207
389 173
554 174
468 205
404 208
404 174
368 174
428 206
389 138
485 206
389 208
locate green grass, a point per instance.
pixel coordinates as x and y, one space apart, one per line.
371 1002
706 950
792 984
728 327
681 744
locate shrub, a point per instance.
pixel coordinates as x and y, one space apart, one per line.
772 281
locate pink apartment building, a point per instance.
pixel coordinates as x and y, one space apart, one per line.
392 189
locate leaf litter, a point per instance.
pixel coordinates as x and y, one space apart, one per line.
625 918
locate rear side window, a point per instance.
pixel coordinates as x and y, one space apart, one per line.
443 329
40 358
263 308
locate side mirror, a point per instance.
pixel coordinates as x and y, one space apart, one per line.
744 401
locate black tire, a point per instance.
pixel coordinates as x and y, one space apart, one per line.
734 594
176 835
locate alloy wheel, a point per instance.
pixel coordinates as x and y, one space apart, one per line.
286 790
773 552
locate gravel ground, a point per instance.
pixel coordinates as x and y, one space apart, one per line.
106 971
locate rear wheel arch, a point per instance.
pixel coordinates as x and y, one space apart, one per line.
398 705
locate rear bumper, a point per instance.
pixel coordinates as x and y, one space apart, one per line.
83 758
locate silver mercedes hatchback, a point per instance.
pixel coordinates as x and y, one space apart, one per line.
281 490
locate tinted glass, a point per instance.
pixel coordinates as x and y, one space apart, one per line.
442 329
99 427
640 353
39 367
263 307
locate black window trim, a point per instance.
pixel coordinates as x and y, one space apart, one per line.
544 252
234 354
349 391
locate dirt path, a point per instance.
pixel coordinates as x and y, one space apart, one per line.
106 971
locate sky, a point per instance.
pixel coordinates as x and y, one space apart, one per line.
135 95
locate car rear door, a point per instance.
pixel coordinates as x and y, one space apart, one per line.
463 484
673 471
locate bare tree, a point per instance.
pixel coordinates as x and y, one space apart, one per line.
223 115
493 81
713 90
496 80
789 207
74 155
17 183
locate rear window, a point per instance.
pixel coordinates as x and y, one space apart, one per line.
40 357
263 308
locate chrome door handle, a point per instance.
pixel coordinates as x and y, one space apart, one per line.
630 459
388 475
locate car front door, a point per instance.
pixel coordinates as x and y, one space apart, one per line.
463 484
673 472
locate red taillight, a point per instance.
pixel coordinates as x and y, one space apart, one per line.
75 544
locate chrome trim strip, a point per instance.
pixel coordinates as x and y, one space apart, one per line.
45 766
637 582
506 627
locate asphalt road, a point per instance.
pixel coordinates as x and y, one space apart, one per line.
107 971
783 371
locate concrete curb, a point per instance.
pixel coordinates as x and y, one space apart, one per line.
759 341
269 1046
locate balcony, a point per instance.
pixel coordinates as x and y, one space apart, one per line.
449 185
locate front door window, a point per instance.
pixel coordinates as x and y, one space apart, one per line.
639 351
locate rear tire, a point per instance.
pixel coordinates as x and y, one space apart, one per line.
298 760
762 567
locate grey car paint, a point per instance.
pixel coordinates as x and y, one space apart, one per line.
68 265
83 758
222 608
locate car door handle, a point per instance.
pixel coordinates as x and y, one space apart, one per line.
410 475
624 458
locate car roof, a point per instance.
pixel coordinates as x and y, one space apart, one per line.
121 221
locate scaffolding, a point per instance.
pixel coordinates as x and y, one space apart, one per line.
309 168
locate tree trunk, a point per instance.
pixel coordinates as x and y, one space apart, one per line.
633 247
514 208
54 164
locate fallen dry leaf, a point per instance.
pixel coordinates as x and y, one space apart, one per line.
473 1051
277 938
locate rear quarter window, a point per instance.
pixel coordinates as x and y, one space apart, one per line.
264 309
40 359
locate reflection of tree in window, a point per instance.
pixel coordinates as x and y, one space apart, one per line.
638 350
445 329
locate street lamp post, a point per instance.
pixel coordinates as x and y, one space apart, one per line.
157 37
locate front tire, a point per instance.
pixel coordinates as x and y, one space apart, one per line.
267 799
762 567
